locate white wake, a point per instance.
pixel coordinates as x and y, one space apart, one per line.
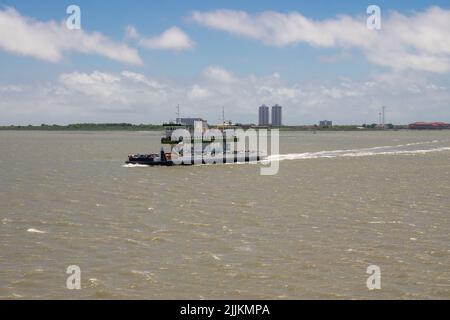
364 152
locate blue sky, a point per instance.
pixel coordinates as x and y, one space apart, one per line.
279 64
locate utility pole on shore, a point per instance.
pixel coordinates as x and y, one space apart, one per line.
178 114
223 115
384 113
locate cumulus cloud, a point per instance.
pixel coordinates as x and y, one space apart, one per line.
11 88
198 93
134 97
219 74
111 92
49 40
171 39
420 41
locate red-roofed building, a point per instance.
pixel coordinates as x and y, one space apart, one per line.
429 126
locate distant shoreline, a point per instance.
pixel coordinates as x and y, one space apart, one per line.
152 127
86 127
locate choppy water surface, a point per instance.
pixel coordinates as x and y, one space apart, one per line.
340 202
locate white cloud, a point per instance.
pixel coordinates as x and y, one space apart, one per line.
124 91
280 29
420 41
99 85
134 97
49 40
219 74
172 39
198 93
11 88
142 79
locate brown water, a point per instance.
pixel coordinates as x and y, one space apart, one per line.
225 231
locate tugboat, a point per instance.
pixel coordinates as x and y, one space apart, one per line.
163 159
176 148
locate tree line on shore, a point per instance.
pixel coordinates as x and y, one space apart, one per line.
87 127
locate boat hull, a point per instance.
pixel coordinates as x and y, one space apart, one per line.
167 163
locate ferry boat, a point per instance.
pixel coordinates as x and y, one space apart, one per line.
163 158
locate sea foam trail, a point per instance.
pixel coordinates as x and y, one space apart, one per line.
32 230
130 165
387 150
